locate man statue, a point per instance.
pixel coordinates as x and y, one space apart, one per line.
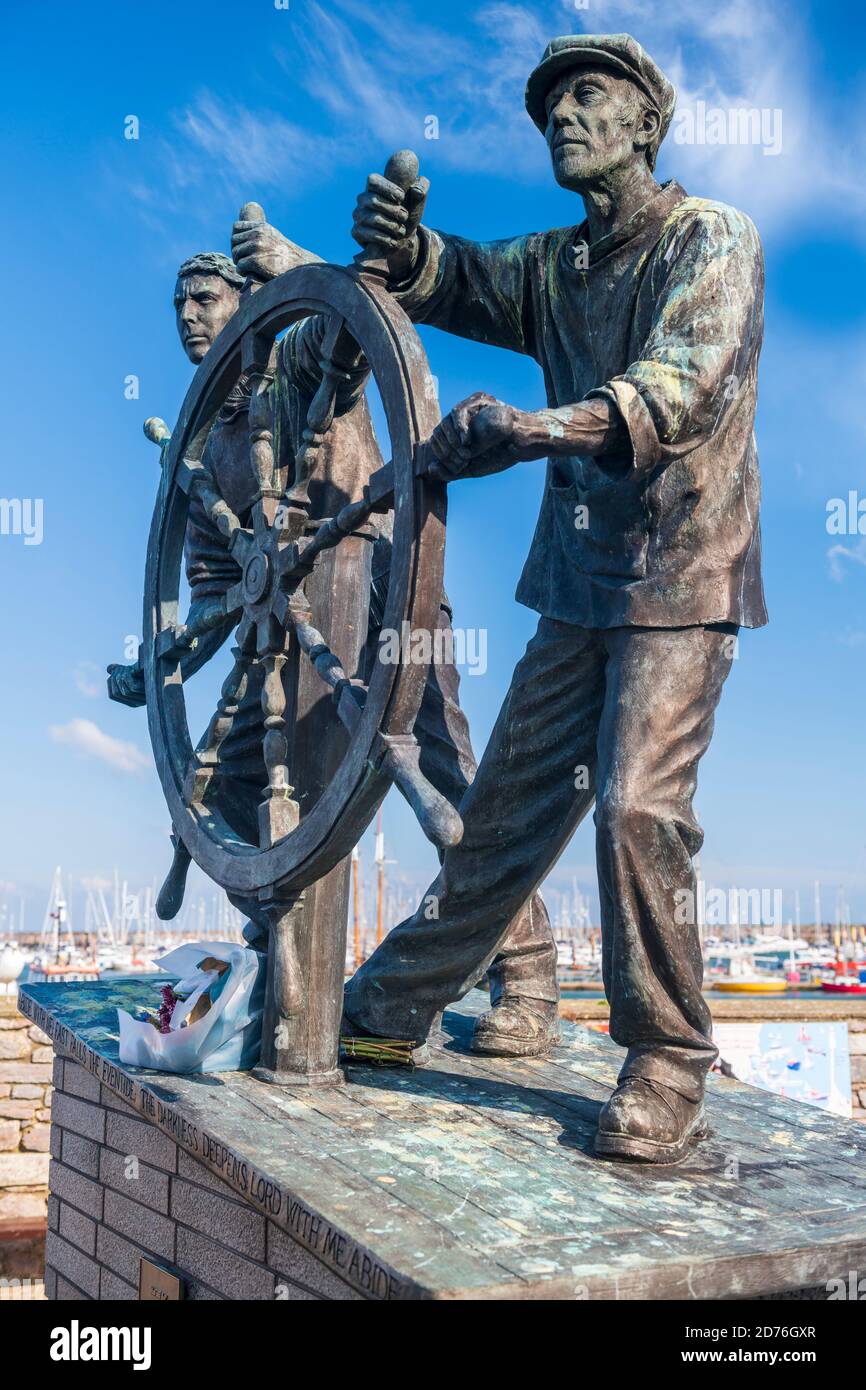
524 992
647 322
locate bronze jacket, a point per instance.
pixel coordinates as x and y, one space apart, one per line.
665 318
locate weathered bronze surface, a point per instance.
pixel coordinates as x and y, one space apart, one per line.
647 321
296 415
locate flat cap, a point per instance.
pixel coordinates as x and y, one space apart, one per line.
619 52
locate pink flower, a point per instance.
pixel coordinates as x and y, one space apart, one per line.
166 1008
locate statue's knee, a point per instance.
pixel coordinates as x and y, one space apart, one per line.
620 818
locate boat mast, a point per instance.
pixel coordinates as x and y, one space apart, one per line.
356 906
380 876
56 918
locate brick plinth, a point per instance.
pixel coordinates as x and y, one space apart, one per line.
121 1190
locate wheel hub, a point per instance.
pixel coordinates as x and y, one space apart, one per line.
257 576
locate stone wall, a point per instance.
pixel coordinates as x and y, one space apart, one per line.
25 1112
121 1189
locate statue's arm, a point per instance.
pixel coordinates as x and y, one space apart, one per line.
262 252
702 350
698 358
481 436
475 289
479 290
211 571
300 363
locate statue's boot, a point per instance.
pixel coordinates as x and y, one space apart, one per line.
517 1027
523 1020
647 1121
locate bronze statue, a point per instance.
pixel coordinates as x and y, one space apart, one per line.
647 322
524 993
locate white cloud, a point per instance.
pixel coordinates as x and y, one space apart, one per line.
88 679
839 553
245 146
89 739
387 72
366 77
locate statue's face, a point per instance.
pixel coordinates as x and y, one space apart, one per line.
203 305
592 119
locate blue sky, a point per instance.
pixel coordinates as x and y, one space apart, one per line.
293 107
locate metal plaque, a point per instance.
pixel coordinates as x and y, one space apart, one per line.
157 1285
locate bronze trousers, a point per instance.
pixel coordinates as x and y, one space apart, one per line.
526 962
619 716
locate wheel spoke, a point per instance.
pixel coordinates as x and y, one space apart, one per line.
245 636
261 436
207 752
270 636
279 814
235 597
240 545
300 558
198 481
349 695
297 560
264 513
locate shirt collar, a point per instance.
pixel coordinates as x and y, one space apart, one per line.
653 212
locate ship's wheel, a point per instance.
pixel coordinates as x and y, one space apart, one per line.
271 617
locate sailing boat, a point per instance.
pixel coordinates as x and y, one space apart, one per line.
737 972
59 960
733 967
849 968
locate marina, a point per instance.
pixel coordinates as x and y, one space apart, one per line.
113 929
120 933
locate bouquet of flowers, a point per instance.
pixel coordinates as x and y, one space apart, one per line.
179 993
209 1019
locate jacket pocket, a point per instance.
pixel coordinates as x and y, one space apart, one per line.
603 526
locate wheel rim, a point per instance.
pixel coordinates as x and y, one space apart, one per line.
400 369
